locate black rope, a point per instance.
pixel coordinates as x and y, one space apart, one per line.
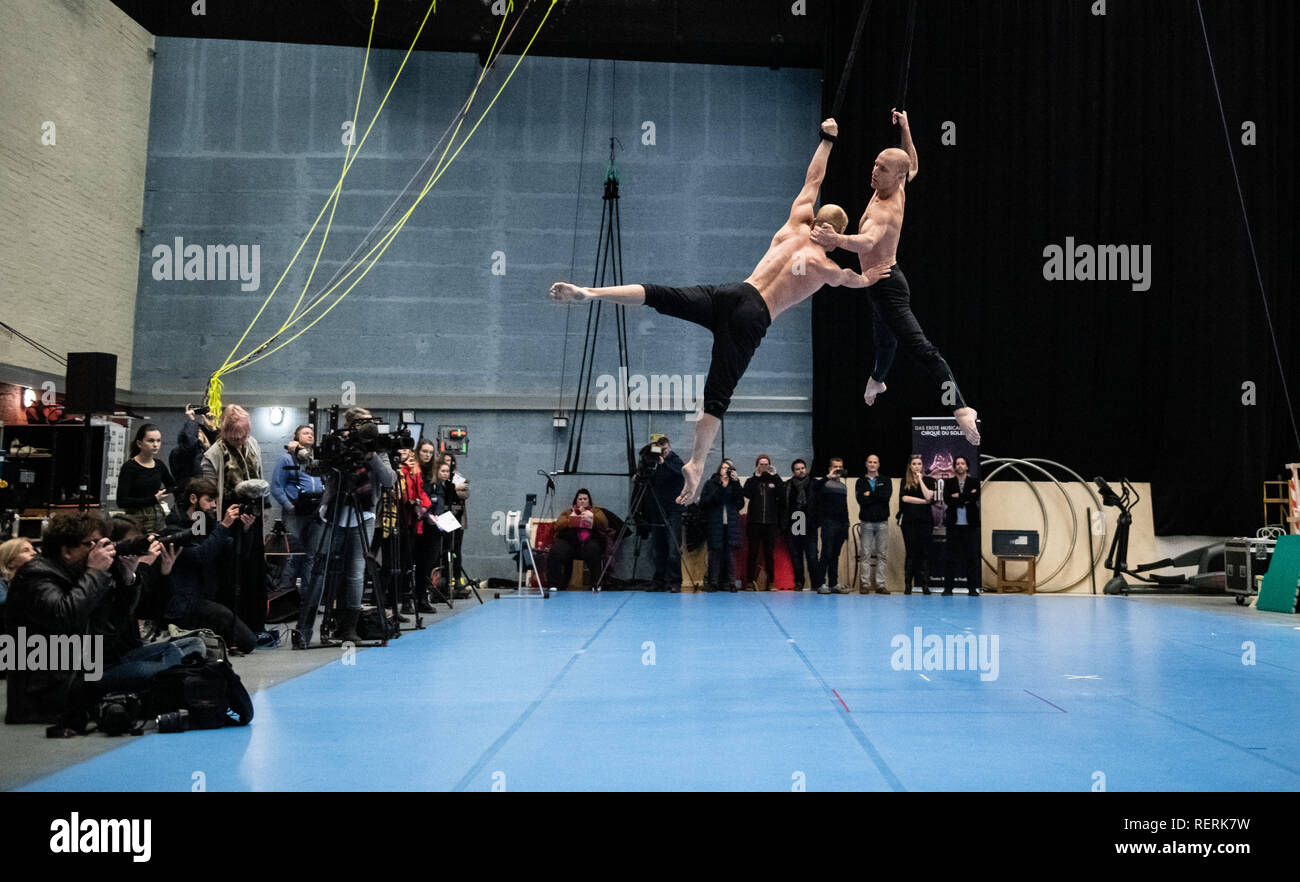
848 62
1245 217
905 63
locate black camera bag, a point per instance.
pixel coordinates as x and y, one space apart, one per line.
209 689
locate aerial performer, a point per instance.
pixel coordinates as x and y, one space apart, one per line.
739 315
876 243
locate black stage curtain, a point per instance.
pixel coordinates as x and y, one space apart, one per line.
1105 129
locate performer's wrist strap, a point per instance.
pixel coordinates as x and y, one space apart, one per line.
826 136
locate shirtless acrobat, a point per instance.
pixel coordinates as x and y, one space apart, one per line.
739 314
892 320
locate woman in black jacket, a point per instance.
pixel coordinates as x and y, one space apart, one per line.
144 481
915 499
720 503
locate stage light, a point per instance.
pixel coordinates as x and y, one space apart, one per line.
277 416
29 397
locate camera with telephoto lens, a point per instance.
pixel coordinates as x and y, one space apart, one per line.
176 721
139 545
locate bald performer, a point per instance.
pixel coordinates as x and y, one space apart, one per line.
891 301
739 314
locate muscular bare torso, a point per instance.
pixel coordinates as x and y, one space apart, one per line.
885 218
793 269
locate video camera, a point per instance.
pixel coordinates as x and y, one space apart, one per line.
346 449
651 457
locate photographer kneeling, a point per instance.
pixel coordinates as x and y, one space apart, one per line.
195 579
345 458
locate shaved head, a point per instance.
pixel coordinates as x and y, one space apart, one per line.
833 215
898 161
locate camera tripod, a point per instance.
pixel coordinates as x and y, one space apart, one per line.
331 566
641 489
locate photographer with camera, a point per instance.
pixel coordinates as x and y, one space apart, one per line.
833 494
351 466
299 495
720 503
56 593
763 520
802 502
663 469
192 441
235 459
194 575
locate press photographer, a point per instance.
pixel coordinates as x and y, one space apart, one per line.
58 592
195 578
662 468
354 463
193 440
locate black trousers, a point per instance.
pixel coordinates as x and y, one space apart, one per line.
559 561
804 548
215 617
833 535
761 536
963 557
738 317
893 324
427 548
916 565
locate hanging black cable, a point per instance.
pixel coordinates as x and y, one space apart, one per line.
848 62
905 62
1250 237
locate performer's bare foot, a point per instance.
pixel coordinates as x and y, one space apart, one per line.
691 491
966 417
874 388
566 293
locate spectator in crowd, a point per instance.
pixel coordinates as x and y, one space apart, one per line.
434 474
915 498
720 503
234 458
192 441
762 521
412 504
195 575
873 492
833 494
13 554
364 486
298 495
962 519
457 497
803 516
666 483
144 480
580 533
56 593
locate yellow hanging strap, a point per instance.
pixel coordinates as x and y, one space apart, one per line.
382 245
332 199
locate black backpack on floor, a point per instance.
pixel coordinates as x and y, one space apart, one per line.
208 689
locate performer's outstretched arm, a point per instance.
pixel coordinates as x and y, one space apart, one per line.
801 212
900 120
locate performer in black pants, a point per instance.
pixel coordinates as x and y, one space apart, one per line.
963 523
738 315
802 517
763 521
876 243
914 509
